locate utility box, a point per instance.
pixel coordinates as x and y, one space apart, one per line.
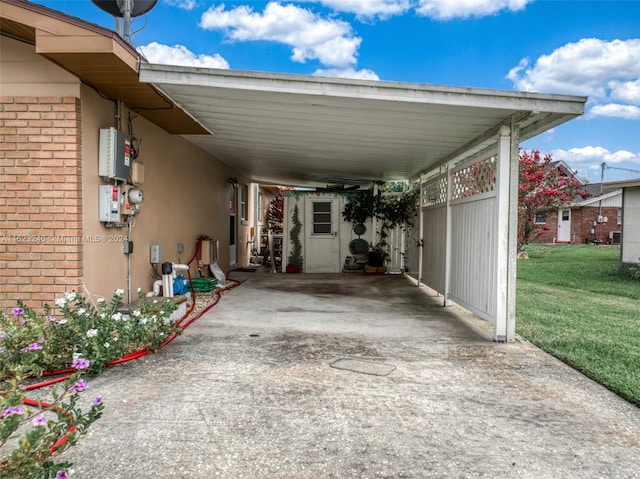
114 156
615 237
109 202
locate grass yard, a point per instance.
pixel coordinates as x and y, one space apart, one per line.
572 303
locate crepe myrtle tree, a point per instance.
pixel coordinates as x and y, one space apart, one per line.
541 188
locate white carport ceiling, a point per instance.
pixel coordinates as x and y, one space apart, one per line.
313 131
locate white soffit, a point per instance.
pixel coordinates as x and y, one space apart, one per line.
317 131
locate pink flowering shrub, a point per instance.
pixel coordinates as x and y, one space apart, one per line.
39 434
82 337
541 188
99 333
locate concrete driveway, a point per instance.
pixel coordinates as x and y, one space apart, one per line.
351 376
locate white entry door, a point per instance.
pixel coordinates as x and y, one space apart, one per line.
322 239
564 226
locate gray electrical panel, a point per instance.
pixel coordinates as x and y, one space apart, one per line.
114 159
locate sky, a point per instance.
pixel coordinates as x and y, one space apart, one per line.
588 48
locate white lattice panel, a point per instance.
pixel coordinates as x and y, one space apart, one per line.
474 179
435 191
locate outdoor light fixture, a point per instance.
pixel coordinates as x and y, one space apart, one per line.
233 182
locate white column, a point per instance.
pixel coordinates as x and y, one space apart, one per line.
507 229
421 229
448 240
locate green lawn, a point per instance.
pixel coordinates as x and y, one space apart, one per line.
572 303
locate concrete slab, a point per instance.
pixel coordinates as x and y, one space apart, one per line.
248 391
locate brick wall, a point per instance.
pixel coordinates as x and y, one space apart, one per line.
40 199
582 220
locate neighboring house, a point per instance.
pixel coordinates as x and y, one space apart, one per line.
63 81
596 219
630 243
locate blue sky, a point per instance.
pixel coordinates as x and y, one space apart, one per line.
589 48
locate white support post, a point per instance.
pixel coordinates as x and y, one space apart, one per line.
447 247
513 231
507 204
421 235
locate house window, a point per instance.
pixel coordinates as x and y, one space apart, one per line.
322 218
540 218
260 209
619 216
244 198
565 215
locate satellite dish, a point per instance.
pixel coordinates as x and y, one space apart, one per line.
139 7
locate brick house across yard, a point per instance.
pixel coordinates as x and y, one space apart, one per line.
597 219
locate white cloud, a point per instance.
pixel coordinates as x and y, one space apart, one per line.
367 9
615 110
179 55
448 9
183 4
310 36
347 73
592 155
605 71
626 91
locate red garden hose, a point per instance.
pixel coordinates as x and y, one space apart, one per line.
64 374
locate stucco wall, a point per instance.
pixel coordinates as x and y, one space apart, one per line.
50 187
186 195
23 73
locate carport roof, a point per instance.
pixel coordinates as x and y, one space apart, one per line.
316 131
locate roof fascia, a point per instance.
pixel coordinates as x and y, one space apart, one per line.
598 198
363 89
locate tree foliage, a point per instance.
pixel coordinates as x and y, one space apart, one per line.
542 187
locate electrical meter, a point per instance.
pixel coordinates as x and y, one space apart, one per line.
131 199
136 196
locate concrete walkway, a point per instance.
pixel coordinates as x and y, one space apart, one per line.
351 376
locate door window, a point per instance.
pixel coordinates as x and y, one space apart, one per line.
322 224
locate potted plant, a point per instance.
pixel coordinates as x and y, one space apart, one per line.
294 263
389 211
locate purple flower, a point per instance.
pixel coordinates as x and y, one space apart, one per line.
80 386
97 401
62 475
50 319
17 311
31 347
41 340
12 410
80 363
39 420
